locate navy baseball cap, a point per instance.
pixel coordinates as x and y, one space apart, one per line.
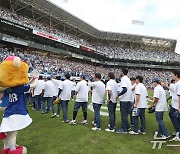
82 76
155 79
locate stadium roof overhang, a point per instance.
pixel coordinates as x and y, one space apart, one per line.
85 30
146 40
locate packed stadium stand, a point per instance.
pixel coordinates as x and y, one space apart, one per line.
120 52
54 41
49 65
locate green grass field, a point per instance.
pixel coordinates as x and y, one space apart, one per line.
51 136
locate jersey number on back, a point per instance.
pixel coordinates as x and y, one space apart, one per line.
13 97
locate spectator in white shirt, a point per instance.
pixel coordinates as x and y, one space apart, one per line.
112 93
65 96
81 91
140 106
125 101
98 91
48 96
38 97
175 106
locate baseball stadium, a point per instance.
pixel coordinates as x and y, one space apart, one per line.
57 46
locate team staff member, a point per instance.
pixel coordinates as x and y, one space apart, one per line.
65 96
98 91
125 101
81 91
175 105
160 105
140 105
112 93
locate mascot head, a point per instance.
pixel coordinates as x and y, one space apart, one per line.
13 72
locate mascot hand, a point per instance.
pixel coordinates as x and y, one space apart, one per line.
2 136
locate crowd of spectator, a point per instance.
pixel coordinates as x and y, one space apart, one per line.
32 24
146 54
53 65
108 50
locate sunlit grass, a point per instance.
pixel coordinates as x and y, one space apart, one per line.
50 136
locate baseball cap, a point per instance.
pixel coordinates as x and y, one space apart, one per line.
155 79
82 76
